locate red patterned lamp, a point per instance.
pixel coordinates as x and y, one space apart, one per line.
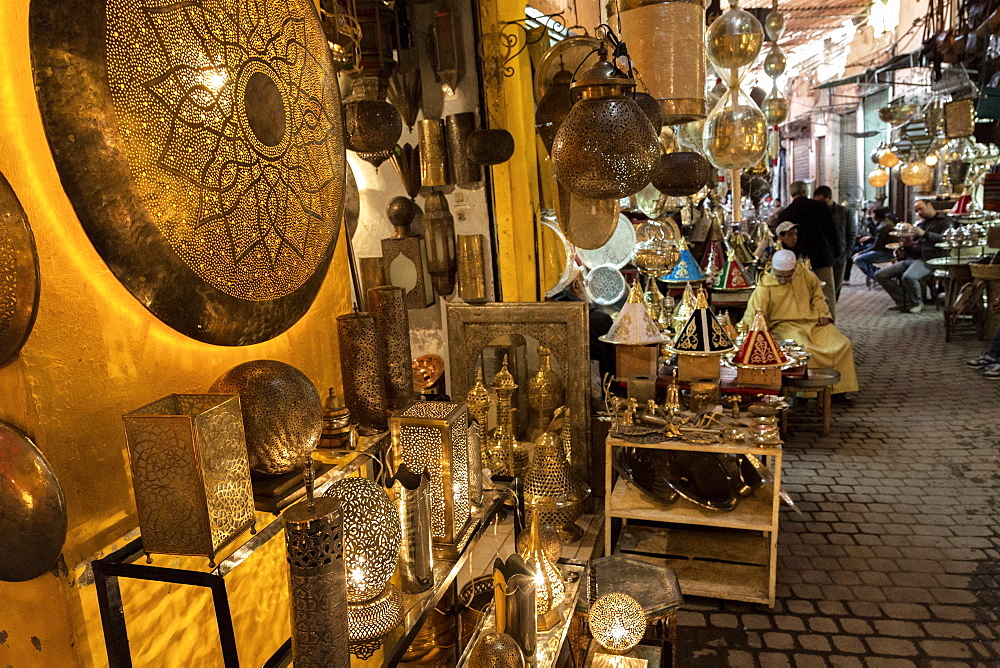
759 360
732 277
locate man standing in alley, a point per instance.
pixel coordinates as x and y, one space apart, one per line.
846 231
817 237
918 247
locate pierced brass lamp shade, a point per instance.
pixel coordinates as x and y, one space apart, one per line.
681 174
888 159
372 126
606 148
489 146
617 622
916 173
496 650
878 177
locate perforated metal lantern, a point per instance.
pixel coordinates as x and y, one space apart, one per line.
404 255
282 413
190 474
496 650
314 542
606 148
433 435
617 622
372 126
363 369
439 231
433 153
552 491
392 329
464 172
681 174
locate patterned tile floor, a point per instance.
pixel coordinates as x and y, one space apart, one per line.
896 559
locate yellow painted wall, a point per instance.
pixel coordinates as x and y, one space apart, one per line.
95 353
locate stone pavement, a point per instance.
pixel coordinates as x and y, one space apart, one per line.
896 559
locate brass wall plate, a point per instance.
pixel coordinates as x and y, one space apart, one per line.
19 282
561 327
202 147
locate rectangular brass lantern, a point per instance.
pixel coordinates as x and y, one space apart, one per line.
434 435
636 361
404 263
190 473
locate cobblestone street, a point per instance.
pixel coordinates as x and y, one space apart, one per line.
896 558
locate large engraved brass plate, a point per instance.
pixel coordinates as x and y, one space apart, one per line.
19 285
201 144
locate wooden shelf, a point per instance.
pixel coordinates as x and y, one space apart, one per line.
716 563
722 448
754 512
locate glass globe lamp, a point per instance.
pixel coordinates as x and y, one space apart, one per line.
775 107
734 39
774 63
878 177
735 133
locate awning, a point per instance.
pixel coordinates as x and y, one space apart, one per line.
879 74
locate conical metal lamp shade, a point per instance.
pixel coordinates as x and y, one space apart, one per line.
759 348
687 269
732 276
702 334
634 326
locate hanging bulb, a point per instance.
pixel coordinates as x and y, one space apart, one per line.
775 107
734 39
931 159
878 177
916 173
606 148
774 63
735 133
888 159
774 23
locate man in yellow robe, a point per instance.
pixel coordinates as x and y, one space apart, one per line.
792 301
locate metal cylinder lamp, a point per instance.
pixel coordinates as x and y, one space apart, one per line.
392 329
515 596
433 153
416 560
317 580
465 173
363 369
666 41
471 268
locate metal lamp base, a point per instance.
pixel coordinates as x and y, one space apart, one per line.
374 618
549 620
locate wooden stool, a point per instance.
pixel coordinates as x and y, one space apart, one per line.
820 381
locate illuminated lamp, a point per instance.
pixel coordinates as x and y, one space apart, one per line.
433 435
606 148
916 173
550 590
888 159
878 177
617 622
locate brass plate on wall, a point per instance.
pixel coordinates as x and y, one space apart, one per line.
201 144
19 284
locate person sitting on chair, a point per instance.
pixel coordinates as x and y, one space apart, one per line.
918 247
793 304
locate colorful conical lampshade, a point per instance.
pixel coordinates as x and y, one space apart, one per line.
687 269
713 257
633 326
702 334
732 276
759 348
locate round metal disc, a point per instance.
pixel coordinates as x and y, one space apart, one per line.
574 54
605 284
19 285
32 509
202 147
618 250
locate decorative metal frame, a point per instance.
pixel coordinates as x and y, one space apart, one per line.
154 208
561 327
19 281
512 38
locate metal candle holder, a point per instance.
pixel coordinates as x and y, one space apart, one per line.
416 561
514 592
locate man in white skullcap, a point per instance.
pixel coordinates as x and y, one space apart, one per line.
792 301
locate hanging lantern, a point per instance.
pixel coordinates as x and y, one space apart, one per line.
458 128
735 133
433 153
734 39
671 60
681 174
774 63
775 107
371 126
774 23
606 148
445 46
649 107
916 173
878 177
439 230
931 159
553 108
888 159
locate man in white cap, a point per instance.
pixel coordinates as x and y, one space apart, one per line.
792 301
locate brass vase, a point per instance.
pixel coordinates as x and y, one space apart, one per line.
545 393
